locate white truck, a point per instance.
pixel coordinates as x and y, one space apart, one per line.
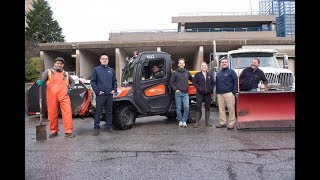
280 77
273 107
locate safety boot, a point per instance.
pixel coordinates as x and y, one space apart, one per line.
52 135
207 115
69 135
197 124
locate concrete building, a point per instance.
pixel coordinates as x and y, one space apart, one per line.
192 40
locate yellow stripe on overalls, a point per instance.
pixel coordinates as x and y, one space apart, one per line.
50 76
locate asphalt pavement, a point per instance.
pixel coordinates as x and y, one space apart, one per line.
156 148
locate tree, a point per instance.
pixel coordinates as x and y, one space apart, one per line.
41 27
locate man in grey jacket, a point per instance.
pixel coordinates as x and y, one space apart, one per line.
179 84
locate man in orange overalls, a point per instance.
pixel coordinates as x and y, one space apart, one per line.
58 82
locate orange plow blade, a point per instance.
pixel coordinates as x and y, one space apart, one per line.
266 109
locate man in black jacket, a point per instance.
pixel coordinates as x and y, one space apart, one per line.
251 76
104 85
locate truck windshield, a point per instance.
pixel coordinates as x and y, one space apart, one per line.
266 59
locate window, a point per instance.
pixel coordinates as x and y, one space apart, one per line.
154 70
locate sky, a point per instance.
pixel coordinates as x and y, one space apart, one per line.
93 20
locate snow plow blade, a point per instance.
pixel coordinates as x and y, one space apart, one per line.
266 110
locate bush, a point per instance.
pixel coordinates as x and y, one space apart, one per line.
32 70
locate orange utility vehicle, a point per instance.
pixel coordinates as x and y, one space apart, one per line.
141 95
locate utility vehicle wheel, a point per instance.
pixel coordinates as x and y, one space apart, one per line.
192 113
124 117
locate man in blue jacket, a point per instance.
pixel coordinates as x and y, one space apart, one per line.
104 85
226 88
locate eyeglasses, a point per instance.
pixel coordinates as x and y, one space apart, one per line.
104 58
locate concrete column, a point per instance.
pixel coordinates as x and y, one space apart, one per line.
159 49
273 26
87 62
120 62
198 59
182 25
117 66
77 62
46 60
41 61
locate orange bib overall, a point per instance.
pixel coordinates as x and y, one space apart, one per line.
57 96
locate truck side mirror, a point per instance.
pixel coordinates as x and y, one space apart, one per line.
285 62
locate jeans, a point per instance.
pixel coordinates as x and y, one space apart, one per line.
105 101
182 99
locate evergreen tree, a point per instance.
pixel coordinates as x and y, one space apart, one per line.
41 28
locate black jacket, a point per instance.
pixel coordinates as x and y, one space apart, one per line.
203 85
250 79
179 80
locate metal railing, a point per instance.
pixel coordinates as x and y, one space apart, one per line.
227 29
147 31
194 30
245 13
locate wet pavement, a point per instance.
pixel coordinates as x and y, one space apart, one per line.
156 148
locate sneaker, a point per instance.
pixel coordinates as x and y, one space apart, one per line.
69 135
180 124
221 126
184 124
96 132
52 135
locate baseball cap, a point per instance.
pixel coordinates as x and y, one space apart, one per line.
59 59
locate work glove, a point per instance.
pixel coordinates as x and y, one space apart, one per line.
39 82
69 90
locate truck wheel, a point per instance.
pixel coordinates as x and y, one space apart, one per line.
124 117
192 113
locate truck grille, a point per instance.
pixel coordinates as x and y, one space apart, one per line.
284 79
